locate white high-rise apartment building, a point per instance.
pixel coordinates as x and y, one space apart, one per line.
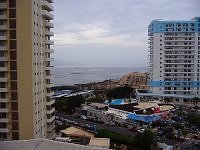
26 107
174 54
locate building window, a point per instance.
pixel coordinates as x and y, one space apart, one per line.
14 115
2 105
13 44
13 65
3 136
3 125
12 3
14 106
13 34
2 64
2 95
13 75
2 85
15 126
14 96
12 23
15 135
12 13
2 115
13 85
13 55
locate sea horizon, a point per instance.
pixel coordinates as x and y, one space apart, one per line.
71 75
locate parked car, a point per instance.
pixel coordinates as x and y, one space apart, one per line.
141 130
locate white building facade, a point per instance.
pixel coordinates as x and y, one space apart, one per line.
174 58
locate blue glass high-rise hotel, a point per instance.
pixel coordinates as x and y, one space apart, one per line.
174 54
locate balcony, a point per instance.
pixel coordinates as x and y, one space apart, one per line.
49 42
52 110
49 33
4 120
4 110
47 15
3 58
51 119
3 27
5 100
4 130
3 5
3 48
47 6
52 101
49 50
3 37
3 89
3 69
51 134
49 59
49 77
50 1
3 17
49 85
3 79
51 126
49 24
48 67
50 94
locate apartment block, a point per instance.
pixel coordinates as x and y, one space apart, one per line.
174 58
26 107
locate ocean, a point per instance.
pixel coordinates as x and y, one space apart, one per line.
78 75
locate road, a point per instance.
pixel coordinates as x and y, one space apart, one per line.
101 126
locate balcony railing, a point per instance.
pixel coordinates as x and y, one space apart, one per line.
4 100
3 58
3 89
3 37
3 68
4 130
4 79
46 5
3 17
4 120
49 50
49 42
47 15
3 48
49 24
4 110
49 103
3 5
3 27
49 33
52 110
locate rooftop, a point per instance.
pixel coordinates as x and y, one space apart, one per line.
42 144
72 131
100 142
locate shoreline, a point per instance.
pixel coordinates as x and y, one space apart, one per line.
133 79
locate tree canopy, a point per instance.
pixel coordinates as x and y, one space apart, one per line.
67 105
119 92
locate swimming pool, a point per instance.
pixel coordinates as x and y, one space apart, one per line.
117 102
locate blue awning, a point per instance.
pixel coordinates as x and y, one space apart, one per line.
144 118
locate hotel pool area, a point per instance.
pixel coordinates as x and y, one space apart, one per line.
117 102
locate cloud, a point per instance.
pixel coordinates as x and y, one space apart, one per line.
113 23
95 33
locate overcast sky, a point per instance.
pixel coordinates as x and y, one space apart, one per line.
111 32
